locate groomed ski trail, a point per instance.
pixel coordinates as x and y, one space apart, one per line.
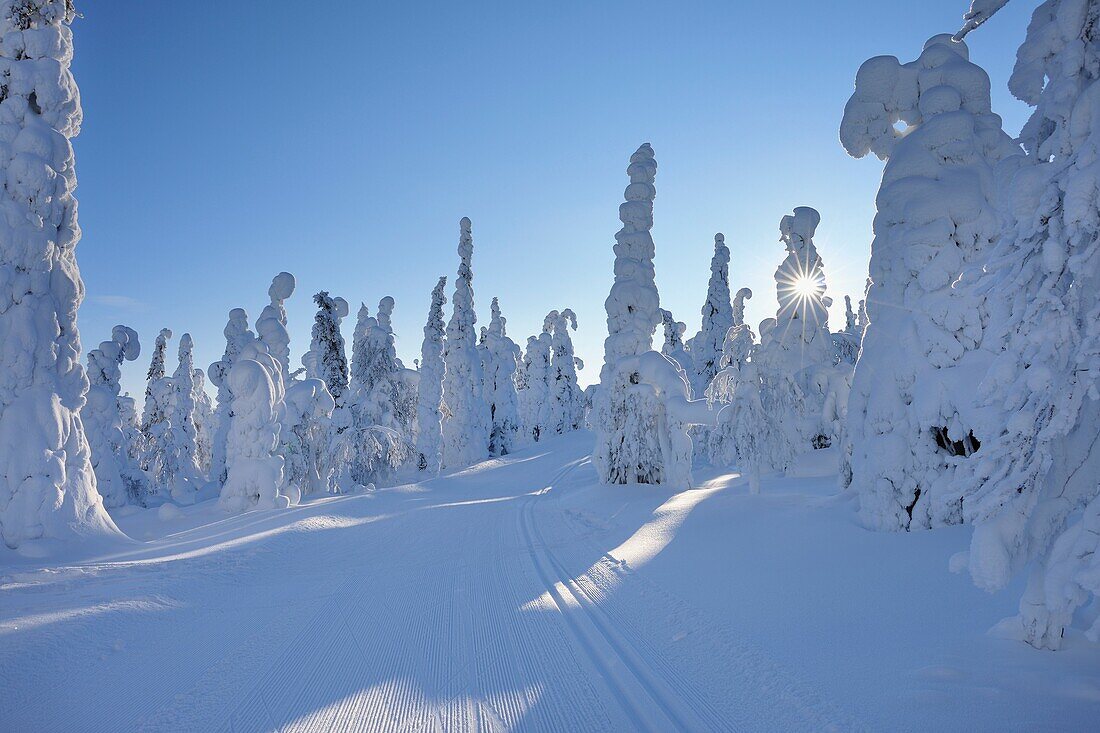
470 602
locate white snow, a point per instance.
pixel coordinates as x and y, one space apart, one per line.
524 594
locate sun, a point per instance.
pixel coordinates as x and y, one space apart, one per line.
805 287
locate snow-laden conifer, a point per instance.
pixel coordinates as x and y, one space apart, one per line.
911 417
642 409
706 346
673 345
499 359
255 477
271 325
534 393
237 336
566 399
378 397
178 465
466 430
47 484
204 423
326 359
156 369
846 343
118 476
799 384
1031 488
429 401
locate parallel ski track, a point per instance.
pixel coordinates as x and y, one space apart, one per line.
648 699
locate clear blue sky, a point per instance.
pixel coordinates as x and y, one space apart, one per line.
226 141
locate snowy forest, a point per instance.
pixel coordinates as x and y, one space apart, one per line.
951 420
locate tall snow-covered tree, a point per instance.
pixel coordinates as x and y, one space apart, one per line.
237 336
673 346
429 402
179 464
255 477
271 325
741 423
738 310
794 359
745 434
706 346
1032 489
911 417
204 423
47 484
326 359
377 376
154 421
305 436
499 359
378 399
566 397
156 366
118 477
642 409
534 391
466 431
846 343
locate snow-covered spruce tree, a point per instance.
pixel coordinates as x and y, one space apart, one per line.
377 375
1031 489
734 381
566 396
799 383
673 346
326 359
535 403
305 435
738 310
429 400
706 346
178 465
499 359
849 316
154 421
255 477
204 423
237 336
307 406
118 477
466 431
378 400
47 484
359 337
745 434
911 418
642 409
271 325
156 370
846 343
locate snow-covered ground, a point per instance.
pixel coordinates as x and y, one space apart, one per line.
522 594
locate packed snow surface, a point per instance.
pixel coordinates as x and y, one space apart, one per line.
521 593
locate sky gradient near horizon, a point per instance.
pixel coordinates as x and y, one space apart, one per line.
223 143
